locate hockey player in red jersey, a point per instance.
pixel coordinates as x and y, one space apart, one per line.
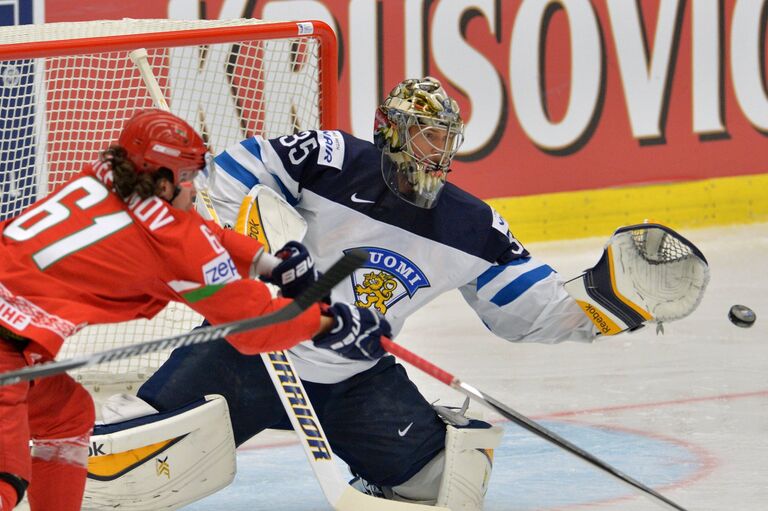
109 246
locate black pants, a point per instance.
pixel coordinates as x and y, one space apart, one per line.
366 417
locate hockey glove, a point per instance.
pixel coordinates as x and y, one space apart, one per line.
295 272
356 332
647 273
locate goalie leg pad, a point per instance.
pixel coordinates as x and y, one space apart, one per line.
468 465
458 477
242 380
162 461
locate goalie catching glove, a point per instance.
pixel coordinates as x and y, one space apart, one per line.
356 332
647 272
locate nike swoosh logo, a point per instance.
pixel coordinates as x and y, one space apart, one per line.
403 432
355 198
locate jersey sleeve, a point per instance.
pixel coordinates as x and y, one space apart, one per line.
245 251
249 298
201 272
523 299
282 163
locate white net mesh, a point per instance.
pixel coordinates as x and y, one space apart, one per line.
661 270
57 112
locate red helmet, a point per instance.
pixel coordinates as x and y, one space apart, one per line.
155 138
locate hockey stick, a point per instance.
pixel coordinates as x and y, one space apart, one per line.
335 274
140 59
337 491
523 421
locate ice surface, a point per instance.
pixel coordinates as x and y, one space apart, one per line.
685 412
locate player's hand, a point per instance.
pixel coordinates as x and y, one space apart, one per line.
295 272
356 332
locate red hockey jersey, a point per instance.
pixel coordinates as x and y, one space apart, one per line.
84 256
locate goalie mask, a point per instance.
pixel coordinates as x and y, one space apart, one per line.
156 139
418 129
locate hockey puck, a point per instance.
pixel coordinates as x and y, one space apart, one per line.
741 315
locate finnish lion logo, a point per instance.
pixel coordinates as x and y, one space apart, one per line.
385 279
376 289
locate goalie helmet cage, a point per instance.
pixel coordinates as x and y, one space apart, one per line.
67 89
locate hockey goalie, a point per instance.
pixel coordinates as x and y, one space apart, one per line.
425 236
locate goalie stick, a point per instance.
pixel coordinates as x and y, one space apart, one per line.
335 274
523 421
340 495
263 214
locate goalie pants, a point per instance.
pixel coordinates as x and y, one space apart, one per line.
376 421
57 413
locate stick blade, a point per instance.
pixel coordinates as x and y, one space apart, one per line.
341 269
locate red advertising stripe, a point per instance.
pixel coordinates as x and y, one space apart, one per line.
557 96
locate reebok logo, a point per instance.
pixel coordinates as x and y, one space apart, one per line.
96 449
162 467
357 199
598 319
403 432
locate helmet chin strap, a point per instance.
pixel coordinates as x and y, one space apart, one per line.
176 192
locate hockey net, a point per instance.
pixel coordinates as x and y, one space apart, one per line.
67 89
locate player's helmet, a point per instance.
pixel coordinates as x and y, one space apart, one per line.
156 139
418 129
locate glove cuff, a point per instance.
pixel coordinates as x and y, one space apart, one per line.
327 311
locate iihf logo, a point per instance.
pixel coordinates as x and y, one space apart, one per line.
386 278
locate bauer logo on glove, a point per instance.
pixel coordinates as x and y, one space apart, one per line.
297 263
647 272
295 272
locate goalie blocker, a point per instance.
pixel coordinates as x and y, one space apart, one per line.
647 273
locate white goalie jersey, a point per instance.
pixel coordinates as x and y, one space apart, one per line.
334 181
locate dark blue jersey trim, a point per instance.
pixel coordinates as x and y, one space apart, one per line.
459 220
293 201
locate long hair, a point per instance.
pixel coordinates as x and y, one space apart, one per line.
126 180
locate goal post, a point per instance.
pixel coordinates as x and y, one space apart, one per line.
67 88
